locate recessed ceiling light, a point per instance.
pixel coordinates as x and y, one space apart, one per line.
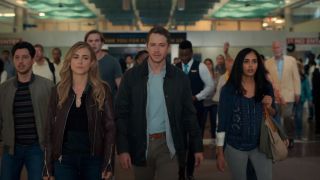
21 2
279 21
42 14
9 14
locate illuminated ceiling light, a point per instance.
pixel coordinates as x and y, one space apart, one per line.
181 5
279 21
42 14
9 15
265 24
126 5
21 2
273 19
287 1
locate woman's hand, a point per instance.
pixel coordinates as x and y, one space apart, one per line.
267 101
220 158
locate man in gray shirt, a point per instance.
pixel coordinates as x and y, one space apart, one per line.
109 67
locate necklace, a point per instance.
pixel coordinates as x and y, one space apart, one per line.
78 101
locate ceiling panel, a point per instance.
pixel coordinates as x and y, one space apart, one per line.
154 12
193 11
60 9
247 8
114 12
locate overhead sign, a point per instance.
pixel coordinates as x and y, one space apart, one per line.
9 41
139 38
301 41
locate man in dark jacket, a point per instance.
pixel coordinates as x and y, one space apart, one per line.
201 87
155 112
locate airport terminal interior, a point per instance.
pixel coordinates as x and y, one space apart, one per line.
207 24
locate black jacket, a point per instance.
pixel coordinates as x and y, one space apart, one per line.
131 113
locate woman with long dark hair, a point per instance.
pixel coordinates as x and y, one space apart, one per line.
80 130
243 100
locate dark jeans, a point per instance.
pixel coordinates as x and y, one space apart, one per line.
74 167
277 116
212 110
31 156
298 119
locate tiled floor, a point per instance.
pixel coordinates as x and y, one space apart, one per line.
303 162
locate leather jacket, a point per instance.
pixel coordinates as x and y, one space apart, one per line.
101 128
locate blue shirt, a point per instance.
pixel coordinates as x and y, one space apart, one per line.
279 68
234 110
244 129
156 104
156 110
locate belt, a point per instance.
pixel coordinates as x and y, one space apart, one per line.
157 135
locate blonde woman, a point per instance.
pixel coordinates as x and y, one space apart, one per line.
80 130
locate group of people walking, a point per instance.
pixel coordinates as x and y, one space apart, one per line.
152 116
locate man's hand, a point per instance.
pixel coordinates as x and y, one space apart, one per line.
106 175
48 178
226 46
296 98
198 157
194 99
125 160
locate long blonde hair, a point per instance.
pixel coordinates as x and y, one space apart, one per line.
98 87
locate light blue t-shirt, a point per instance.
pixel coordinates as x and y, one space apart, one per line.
156 110
156 104
279 68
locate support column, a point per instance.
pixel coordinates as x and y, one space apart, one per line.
174 51
18 19
288 19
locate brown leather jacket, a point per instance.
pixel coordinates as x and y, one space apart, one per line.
100 124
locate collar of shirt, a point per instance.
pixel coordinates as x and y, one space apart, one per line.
189 64
162 72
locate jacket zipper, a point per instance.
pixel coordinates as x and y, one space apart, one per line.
109 160
65 123
45 162
94 134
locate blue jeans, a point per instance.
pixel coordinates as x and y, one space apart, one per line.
30 156
73 167
212 110
298 119
277 116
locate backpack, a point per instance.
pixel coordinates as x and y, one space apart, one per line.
52 69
